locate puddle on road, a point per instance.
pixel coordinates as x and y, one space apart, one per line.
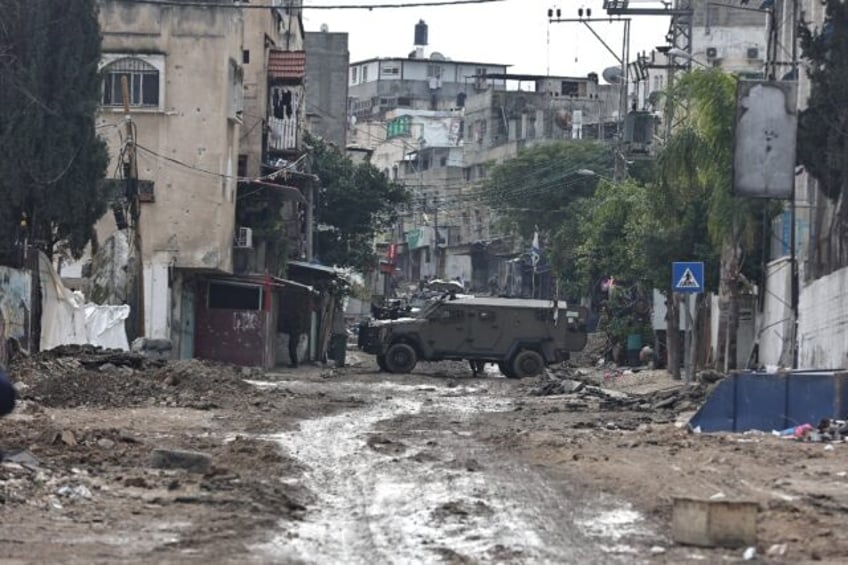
403 508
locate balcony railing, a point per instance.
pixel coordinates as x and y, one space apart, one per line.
282 134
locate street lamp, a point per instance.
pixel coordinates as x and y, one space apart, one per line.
678 52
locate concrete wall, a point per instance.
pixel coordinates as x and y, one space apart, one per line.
327 60
457 266
823 322
732 44
775 328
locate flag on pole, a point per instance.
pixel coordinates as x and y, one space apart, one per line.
535 252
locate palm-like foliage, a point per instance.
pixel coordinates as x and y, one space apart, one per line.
695 181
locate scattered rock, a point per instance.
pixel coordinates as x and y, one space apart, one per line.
190 461
137 482
67 437
74 491
105 443
777 550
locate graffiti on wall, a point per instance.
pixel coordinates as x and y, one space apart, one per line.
246 321
15 306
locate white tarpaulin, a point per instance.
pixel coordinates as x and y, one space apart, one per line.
67 320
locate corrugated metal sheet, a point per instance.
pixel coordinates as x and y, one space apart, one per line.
767 401
286 65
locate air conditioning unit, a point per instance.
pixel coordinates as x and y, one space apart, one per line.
712 52
244 238
753 53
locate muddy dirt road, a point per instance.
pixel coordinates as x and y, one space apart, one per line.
405 480
355 466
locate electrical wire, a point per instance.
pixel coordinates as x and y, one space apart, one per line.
423 4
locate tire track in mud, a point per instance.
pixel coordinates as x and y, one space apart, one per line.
434 493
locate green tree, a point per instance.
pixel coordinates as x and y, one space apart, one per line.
547 188
355 203
51 160
823 125
703 219
614 234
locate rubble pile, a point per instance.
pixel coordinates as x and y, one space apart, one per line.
86 376
597 347
580 385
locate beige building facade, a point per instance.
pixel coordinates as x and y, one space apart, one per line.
183 69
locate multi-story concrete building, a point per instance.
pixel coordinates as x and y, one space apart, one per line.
275 106
733 38
268 34
186 109
327 60
439 125
191 76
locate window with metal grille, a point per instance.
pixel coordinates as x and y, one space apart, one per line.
142 82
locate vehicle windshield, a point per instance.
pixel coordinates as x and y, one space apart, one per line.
429 307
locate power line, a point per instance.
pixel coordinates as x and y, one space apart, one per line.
239 6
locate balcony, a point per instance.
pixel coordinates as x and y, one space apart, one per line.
282 134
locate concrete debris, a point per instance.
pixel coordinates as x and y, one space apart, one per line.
575 384
750 554
186 460
153 348
777 550
21 457
74 492
68 438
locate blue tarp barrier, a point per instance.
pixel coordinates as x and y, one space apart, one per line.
773 401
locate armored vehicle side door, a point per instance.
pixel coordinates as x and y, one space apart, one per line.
445 331
485 329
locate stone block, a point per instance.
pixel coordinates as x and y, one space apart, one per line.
714 523
187 460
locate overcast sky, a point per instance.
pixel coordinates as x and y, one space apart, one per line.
511 32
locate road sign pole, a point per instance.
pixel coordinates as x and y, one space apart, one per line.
687 278
689 343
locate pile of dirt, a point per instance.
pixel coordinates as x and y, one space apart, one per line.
597 347
86 376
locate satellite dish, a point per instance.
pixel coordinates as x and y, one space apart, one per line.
325 28
612 75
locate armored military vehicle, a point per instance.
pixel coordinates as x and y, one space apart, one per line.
521 336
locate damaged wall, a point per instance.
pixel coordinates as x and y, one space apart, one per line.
232 325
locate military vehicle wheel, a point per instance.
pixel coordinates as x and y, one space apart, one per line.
381 362
506 370
401 358
528 363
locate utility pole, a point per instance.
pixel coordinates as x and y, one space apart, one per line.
585 17
436 230
130 170
310 221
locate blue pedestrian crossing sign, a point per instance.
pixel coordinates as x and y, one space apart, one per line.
687 277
